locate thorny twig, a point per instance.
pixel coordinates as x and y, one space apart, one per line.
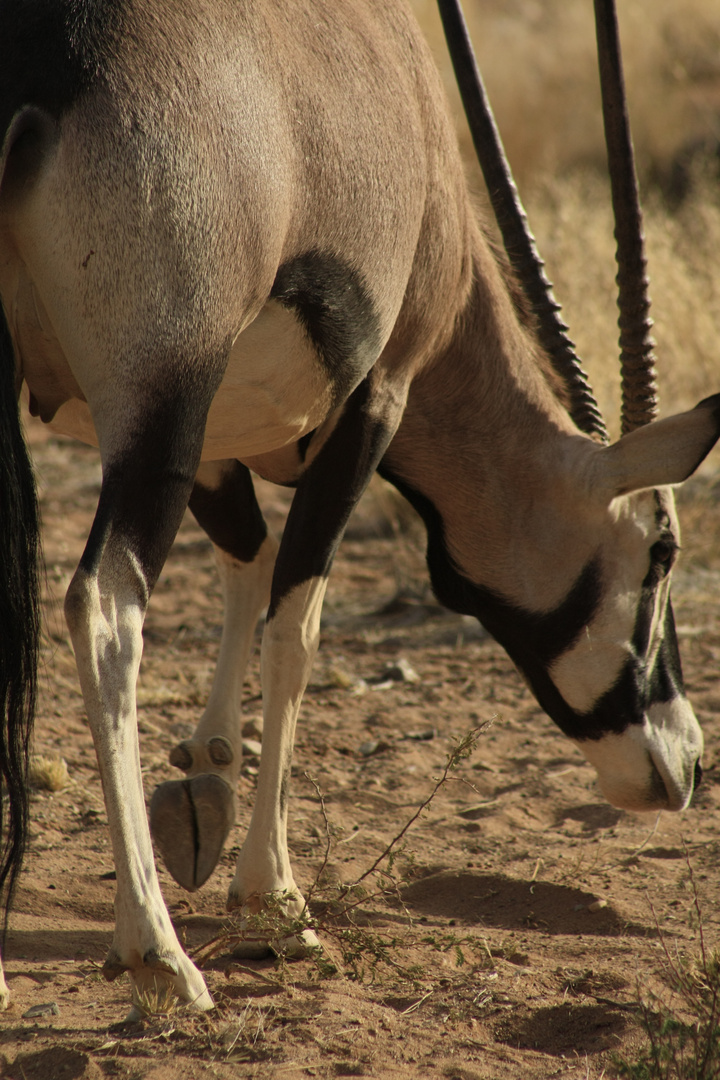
328 838
462 750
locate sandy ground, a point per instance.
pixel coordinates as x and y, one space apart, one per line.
524 913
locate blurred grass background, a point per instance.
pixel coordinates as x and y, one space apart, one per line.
539 62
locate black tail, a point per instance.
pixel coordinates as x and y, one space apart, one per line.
19 620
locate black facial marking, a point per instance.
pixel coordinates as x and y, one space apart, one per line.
535 641
665 679
52 51
230 515
333 305
326 495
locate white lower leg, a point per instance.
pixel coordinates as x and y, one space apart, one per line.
107 637
289 646
215 746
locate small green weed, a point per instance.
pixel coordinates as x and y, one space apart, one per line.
682 1025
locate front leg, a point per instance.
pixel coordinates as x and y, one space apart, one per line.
190 819
323 502
146 484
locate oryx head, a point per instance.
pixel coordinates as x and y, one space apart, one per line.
595 638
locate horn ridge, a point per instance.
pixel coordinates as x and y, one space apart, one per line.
637 361
512 221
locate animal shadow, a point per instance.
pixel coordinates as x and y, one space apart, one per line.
56 1062
592 816
514 904
563 1029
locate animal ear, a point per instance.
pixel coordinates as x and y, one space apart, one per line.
664 452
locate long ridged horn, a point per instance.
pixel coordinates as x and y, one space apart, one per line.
637 363
513 224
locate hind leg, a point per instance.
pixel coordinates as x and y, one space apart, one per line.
190 819
149 464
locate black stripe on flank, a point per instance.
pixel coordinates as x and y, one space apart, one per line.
230 514
334 307
327 493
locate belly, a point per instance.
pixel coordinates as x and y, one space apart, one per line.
274 391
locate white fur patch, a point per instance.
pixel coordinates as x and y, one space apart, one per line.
274 391
669 743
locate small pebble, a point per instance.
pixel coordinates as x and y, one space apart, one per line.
253 728
373 746
50 1009
338 676
402 671
597 905
251 748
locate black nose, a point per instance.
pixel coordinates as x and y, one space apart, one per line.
698 774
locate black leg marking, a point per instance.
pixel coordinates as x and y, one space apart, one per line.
145 490
327 494
230 514
333 304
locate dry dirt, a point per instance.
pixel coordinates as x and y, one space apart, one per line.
557 903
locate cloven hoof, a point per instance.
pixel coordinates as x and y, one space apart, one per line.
294 946
190 821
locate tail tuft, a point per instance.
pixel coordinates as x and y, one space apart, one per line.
19 620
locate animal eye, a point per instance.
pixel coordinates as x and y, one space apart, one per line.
664 552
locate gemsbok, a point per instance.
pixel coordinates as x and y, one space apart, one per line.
236 235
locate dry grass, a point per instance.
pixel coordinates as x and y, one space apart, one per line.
48 773
538 59
573 223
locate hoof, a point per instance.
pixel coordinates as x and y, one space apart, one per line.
264 917
294 946
165 983
190 821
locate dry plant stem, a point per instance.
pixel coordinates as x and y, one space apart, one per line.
328 838
692 987
647 839
701 933
696 905
463 749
